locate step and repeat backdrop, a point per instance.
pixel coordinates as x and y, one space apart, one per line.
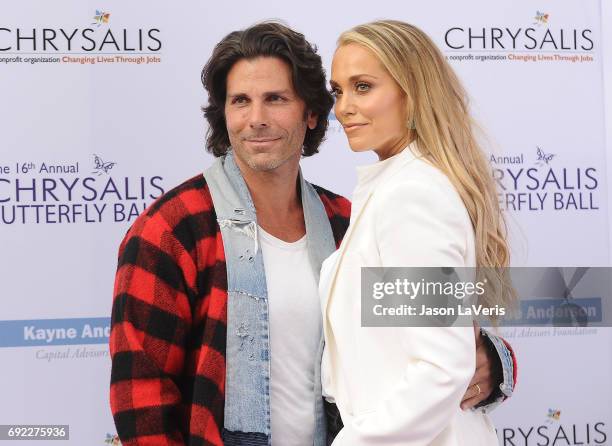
100 115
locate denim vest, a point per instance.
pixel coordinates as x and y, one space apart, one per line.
247 386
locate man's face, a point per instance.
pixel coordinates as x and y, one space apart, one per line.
266 119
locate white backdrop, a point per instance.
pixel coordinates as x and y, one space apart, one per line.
60 226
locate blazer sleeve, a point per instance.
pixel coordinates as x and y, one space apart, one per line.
421 222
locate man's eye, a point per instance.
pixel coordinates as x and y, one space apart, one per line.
362 87
239 100
276 98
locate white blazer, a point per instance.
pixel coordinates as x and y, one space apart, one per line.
399 385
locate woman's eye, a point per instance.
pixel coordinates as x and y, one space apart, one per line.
335 92
362 87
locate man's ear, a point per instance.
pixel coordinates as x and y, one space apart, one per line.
311 120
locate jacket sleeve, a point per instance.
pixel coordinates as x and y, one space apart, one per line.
509 365
149 322
421 222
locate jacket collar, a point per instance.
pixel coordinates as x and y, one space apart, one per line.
236 204
383 173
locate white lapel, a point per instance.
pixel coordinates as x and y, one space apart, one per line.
342 250
407 155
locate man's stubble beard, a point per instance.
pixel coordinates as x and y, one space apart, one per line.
267 165
274 163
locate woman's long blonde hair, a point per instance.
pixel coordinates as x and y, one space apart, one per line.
444 133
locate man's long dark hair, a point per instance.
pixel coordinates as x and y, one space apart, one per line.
267 39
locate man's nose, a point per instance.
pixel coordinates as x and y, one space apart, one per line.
258 116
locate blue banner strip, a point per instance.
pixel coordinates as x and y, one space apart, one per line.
37 332
557 312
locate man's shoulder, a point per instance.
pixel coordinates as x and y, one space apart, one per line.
338 210
190 194
334 204
177 207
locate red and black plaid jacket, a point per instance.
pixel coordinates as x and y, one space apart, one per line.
168 324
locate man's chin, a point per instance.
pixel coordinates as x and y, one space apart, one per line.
265 165
263 162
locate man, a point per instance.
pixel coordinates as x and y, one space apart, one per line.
216 328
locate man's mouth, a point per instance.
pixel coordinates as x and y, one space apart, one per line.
261 140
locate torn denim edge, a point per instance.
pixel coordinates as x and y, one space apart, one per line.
248 228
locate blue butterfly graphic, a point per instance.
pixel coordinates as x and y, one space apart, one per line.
553 415
541 17
101 17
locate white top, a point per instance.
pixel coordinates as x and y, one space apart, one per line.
399 385
295 330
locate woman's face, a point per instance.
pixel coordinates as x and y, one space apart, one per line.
369 104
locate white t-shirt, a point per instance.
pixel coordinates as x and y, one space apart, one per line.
295 333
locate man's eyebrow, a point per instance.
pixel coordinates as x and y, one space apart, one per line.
285 92
233 95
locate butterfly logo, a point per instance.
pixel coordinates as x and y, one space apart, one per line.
543 156
101 17
553 415
541 18
102 166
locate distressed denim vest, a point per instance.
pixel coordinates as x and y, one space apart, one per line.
247 386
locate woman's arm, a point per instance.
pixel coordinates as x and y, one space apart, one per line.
502 352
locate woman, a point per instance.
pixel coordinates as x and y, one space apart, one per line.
429 201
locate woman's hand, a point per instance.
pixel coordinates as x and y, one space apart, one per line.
487 376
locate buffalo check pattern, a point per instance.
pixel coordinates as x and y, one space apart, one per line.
168 323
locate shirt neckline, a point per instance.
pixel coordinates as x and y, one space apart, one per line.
268 238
